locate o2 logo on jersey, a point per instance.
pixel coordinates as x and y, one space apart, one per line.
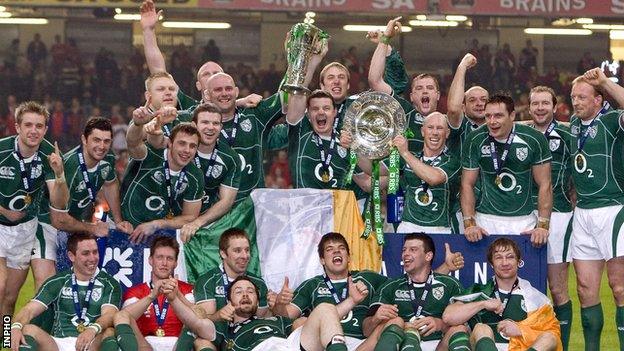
263 330
423 198
509 183
84 202
74 321
347 318
17 203
154 203
244 165
317 172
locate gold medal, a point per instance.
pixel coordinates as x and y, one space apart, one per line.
160 332
580 162
81 327
27 199
424 198
498 180
230 344
169 215
325 176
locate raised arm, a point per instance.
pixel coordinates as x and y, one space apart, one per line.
59 194
149 18
597 78
431 175
455 101
378 61
135 133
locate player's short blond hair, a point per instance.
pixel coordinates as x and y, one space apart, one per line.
32 107
582 79
154 76
337 65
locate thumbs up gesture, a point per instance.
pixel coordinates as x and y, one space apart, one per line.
285 296
226 313
453 260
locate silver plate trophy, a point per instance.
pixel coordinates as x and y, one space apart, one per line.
304 40
374 119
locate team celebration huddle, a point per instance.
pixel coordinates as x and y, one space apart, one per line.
473 172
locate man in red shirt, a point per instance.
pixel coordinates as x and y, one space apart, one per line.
147 319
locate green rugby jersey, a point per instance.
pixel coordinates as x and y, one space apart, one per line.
80 205
515 309
250 333
560 168
314 291
599 180
225 171
513 196
304 158
209 286
144 188
12 192
398 292
432 210
251 141
186 102
57 292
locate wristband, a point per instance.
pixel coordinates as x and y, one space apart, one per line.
17 325
60 179
96 327
469 221
543 223
384 39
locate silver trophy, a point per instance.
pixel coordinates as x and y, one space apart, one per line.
304 40
373 120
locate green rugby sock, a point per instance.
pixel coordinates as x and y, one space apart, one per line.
564 315
411 342
592 320
390 339
459 341
125 338
485 344
109 344
619 324
185 340
31 344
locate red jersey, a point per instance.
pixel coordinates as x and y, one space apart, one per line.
147 322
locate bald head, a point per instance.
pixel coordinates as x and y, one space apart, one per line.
475 99
207 70
221 91
436 118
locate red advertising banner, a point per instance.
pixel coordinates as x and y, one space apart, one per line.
545 8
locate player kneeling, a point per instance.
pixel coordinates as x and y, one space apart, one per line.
506 313
245 331
84 299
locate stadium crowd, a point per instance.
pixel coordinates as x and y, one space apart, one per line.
483 163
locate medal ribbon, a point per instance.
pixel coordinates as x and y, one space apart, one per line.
352 163
499 163
27 179
85 175
332 289
419 304
81 313
583 138
498 294
231 138
225 280
160 313
326 155
171 197
373 221
550 128
211 162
